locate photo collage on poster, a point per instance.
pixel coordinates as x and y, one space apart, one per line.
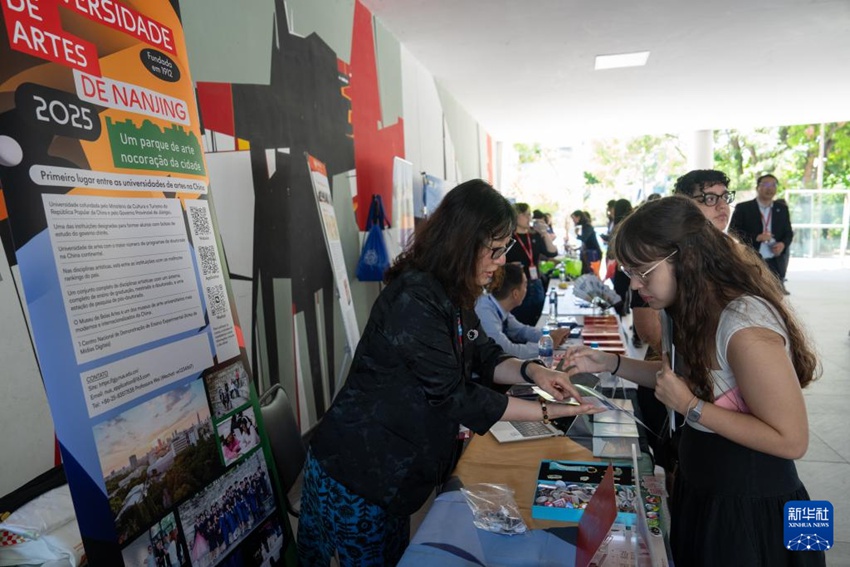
186 484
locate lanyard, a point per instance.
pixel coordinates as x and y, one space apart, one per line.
527 248
765 218
459 331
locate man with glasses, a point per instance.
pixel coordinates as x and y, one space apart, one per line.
765 224
709 188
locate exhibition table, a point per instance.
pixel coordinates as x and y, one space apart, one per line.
447 535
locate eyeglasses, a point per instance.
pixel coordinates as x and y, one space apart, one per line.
499 251
710 199
643 276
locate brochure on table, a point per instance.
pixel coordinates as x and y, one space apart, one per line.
105 184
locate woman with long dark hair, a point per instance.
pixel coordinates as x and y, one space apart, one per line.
590 253
390 436
742 360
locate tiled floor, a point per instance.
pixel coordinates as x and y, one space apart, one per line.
820 293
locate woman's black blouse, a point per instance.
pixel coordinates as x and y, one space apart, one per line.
390 434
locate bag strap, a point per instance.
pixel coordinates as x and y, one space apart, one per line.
376 214
370 219
381 218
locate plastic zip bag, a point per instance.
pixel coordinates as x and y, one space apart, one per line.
494 508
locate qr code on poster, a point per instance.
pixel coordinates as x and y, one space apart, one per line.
209 261
216 299
200 221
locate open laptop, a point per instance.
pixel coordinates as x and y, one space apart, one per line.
509 431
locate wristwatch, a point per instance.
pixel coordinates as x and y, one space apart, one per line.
695 413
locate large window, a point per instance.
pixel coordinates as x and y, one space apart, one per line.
820 218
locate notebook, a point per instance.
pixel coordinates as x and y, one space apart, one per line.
509 431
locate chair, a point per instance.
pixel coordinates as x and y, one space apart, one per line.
287 444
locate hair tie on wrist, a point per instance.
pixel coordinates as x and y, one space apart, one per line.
544 409
616 368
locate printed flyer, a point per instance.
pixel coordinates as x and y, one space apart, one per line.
104 179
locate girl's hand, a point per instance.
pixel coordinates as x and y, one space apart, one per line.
672 390
587 359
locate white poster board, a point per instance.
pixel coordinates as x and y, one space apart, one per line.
402 214
327 215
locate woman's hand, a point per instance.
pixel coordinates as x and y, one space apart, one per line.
672 390
587 359
568 410
555 383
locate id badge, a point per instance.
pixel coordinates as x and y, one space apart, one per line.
532 272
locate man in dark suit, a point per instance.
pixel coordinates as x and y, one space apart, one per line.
765 225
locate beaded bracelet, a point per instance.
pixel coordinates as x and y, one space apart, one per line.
544 409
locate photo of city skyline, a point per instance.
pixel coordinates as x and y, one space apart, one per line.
156 454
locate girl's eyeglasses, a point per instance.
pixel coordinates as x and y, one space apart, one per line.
645 275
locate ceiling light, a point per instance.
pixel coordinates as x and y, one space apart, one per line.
636 59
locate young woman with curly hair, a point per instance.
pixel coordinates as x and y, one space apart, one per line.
742 361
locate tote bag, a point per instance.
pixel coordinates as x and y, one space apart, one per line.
374 257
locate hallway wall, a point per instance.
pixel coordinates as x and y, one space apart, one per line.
274 80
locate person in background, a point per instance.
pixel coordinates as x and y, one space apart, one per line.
765 225
540 224
742 359
609 213
591 253
532 241
709 188
389 438
622 208
547 218
494 310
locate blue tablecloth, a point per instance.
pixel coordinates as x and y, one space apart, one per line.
448 538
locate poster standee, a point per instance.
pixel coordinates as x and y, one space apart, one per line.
327 216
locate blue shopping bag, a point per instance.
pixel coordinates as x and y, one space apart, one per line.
374 257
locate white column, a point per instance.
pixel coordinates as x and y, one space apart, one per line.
701 154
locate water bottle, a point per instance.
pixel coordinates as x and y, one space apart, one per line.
545 348
562 273
553 309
